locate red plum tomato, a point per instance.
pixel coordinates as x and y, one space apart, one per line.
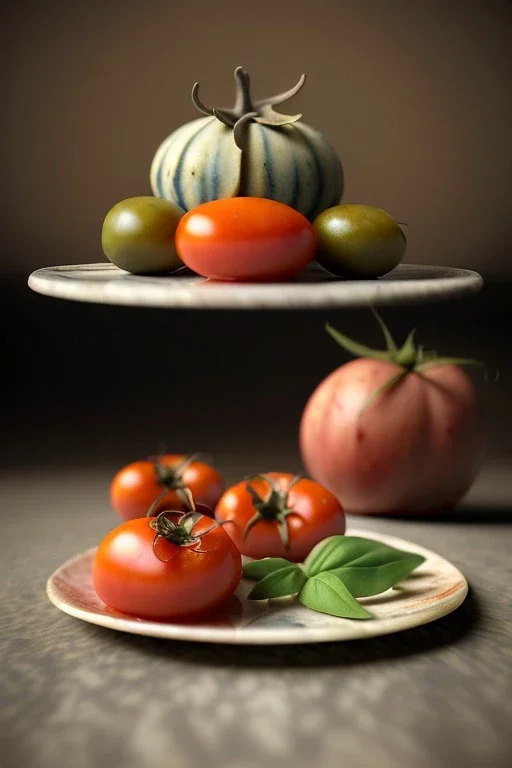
249 239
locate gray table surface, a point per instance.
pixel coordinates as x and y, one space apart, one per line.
78 695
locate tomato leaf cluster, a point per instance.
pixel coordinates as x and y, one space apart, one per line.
337 571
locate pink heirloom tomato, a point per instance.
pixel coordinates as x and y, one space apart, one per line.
392 432
245 238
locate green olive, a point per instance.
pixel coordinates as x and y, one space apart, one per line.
138 235
358 241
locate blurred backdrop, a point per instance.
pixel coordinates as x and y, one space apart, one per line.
414 96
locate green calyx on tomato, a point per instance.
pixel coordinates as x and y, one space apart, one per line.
274 507
409 358
180 533
171 477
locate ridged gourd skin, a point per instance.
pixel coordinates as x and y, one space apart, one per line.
288 162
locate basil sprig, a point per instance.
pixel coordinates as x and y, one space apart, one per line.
337 571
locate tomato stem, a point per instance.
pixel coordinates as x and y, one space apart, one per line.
409 357
245 111
185 494
171 477
275 507
181 533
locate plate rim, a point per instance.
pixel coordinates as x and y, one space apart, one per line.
439 608
456 282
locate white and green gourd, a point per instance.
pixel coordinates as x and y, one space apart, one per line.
250 150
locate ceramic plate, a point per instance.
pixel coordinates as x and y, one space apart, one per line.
433 590
312 289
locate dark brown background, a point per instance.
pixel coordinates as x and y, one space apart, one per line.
414 96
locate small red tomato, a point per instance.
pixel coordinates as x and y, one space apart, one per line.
135 487
172 566
279 515
245 238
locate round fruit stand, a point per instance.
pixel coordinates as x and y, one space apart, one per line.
246 216
312 289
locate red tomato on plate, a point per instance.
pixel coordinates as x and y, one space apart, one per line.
136 486
283 516
138 572
245 238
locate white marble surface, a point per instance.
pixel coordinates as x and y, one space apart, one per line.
313 289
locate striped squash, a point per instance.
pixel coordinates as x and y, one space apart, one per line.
250 150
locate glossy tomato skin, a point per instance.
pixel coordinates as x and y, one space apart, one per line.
136 486
318 514
245 238
358 241
417 448
130 578
138 235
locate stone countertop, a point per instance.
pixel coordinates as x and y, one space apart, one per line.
78 695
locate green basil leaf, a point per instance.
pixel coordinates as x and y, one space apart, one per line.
327 594
364 581
336 551
342 551
257 569
285 581
382 555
